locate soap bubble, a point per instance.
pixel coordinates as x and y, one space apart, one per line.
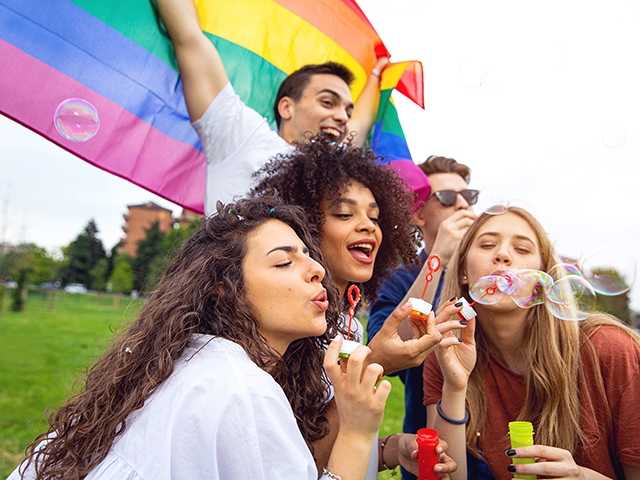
508 282
485 290
560 270
609 273
532 288
76 119
571 298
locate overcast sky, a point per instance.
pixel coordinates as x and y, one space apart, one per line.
541 99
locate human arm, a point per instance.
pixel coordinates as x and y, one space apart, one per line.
203 74
360 406
366 107
450 232
456 359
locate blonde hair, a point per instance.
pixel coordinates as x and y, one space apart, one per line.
553 350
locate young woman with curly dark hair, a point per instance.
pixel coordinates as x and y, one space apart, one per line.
220 376
360 212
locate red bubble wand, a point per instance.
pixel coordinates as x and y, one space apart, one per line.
433 265
353 296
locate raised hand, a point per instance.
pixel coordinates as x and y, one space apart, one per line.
456 356
360 402
393 353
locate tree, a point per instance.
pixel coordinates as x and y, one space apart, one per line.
617 305
20 292
148 248
171 242
44 267
99 275
122 276
82 255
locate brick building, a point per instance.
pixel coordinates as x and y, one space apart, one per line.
138 220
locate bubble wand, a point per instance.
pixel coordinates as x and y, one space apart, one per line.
349 344
433 264
420 308
353 296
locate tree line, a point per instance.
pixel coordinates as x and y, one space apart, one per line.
86 261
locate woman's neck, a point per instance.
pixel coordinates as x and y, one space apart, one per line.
505 331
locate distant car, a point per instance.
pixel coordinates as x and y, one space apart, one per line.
75 288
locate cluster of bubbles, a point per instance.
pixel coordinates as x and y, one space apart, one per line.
569 291
76 119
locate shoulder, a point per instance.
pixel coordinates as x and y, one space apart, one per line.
213 362
612 338
616 347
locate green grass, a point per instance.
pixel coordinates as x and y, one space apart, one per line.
46 350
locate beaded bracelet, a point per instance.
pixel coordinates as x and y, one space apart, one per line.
330 475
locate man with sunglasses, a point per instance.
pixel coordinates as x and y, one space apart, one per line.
442 221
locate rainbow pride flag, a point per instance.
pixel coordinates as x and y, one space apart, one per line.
99 78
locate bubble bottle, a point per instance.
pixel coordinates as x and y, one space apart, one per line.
427 439
521 435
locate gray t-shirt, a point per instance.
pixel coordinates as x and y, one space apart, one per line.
237 141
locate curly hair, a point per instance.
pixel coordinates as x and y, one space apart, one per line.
321 169
201 291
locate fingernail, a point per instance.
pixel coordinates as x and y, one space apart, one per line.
509 452
511 468
437 468
464 322
459 304
452 298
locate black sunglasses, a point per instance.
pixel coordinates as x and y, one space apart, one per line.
447 198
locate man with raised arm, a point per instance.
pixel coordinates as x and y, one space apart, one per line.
237 140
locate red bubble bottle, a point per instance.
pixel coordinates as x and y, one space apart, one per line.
427 439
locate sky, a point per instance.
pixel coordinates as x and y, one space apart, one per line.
540 99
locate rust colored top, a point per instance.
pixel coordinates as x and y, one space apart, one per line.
610 438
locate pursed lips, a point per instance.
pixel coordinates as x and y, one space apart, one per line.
321 301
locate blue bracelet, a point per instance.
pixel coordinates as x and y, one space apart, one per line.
450 420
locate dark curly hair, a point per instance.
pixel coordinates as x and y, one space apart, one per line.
202 291
321 169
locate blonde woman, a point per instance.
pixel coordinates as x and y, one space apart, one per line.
577 382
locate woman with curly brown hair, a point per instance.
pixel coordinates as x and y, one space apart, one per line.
220 376
360 212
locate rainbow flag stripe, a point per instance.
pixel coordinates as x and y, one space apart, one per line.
116 56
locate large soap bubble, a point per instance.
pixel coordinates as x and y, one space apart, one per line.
571 298
609 273
76 119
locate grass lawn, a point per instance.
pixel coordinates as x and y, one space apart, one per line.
45 351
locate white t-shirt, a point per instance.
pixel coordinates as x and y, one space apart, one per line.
217 416
237 141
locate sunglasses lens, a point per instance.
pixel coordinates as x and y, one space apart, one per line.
470 196
446 197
